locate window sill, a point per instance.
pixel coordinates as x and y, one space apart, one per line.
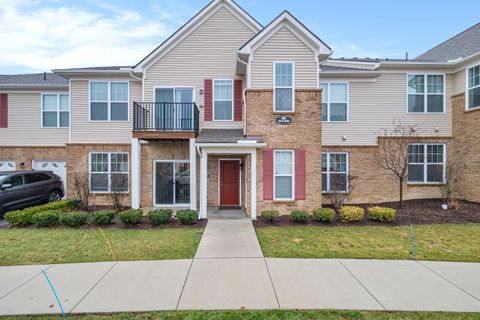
106 193
472 109
291 202
425 184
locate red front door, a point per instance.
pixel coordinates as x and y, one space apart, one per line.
229 183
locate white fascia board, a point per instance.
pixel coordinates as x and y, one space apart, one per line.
231 145
262 36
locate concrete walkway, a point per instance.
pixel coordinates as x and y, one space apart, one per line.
229 272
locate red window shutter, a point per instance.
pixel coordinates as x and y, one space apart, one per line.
300 164
237 101
268 174
208 100
3 110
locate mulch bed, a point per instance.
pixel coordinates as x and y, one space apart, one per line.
428 211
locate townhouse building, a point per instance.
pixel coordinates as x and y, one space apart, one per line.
230 113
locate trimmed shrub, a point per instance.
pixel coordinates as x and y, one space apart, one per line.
74 219
323 214
299 216
158 217
25 217
47 218
187 217
269 215
351 213
131 217
103 218
382 214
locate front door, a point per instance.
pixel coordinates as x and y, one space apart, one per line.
229 183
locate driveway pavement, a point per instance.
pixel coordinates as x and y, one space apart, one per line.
229 272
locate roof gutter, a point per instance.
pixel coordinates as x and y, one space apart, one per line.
33 87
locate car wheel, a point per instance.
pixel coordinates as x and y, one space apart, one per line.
54 196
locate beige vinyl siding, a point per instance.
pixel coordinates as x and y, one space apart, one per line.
25 122
459 82
284 45
86 131
374 105
209 52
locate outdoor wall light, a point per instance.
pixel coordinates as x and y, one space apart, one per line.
200 92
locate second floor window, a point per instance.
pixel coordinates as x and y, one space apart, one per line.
473 83
425 93
108 101
334 101
223 100
284 98
55 110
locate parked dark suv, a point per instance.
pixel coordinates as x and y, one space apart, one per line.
21 189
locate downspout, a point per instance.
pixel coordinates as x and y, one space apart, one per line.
244 100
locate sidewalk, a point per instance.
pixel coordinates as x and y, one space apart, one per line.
229 272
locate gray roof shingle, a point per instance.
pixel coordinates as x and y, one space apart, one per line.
225 136
462 45
33 79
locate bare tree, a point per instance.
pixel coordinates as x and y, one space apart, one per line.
119 187
392 152
81 189
450 187
340 188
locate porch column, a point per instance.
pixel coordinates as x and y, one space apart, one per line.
135 173
253 178
193 175
203 184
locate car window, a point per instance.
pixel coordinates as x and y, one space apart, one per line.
3 176
36 177
15 181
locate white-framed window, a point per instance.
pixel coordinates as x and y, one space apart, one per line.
334 101
426 163
284 87
223 100
473 87
109 101
426 93
55 110
284 178
108 171
334 172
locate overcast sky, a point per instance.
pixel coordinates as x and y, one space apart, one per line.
40 35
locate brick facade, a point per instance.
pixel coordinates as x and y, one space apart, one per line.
157 150
305 132
78 161
374 184
26 155
466 143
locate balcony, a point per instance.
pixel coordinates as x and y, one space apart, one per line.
165 120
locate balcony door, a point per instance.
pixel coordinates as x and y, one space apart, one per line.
174 109
172 183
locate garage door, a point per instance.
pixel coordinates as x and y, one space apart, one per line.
7 165
57 167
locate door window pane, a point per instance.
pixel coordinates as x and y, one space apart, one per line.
182 183
164 178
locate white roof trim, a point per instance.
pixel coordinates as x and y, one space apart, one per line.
229 145
192 25
286 19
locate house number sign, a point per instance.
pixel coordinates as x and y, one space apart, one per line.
284 120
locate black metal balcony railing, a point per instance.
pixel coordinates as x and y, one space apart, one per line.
166 116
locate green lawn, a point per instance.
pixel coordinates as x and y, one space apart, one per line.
49 246
433 242
275 315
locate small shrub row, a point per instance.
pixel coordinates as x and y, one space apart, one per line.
131 217
187 217
159 217
25 217
347 214
74 218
